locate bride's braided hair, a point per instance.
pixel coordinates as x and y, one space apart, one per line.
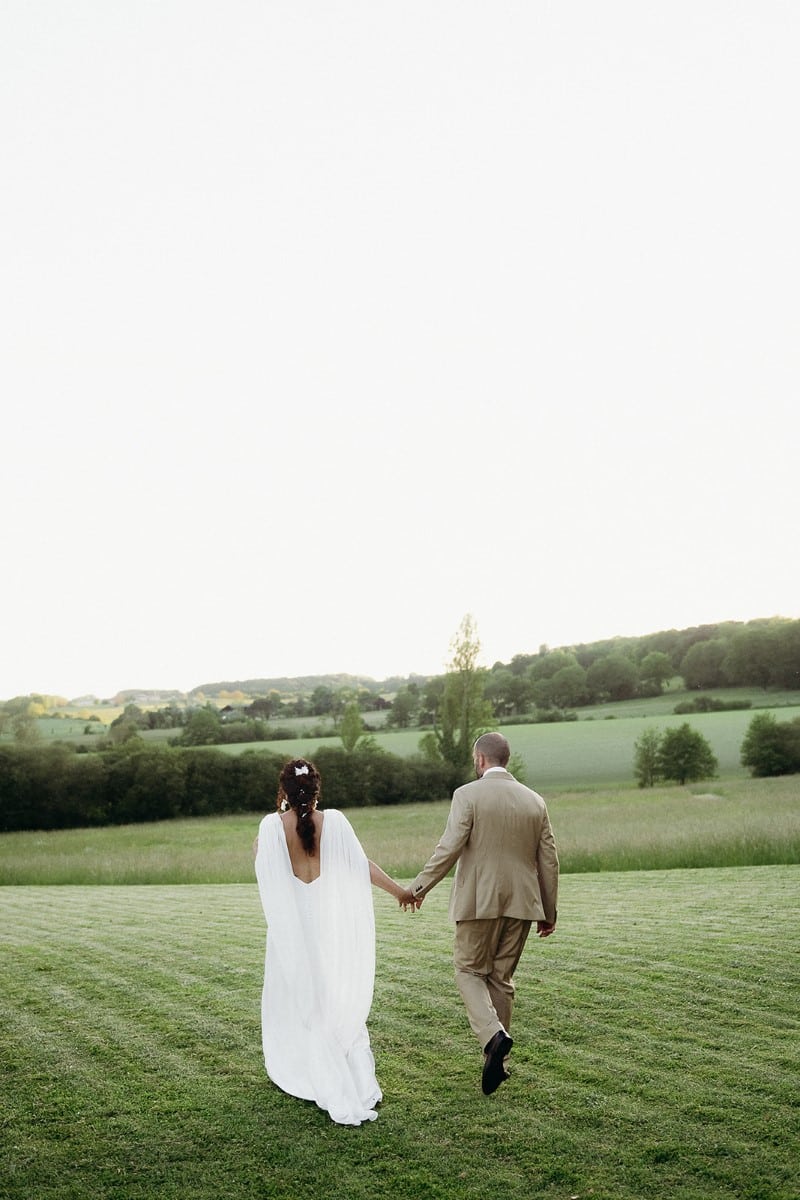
299 787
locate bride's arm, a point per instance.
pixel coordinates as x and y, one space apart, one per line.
380 879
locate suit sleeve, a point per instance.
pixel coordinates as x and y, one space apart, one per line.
448 848
547 870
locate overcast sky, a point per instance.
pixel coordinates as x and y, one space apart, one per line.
326 323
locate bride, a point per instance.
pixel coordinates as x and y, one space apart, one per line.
314 880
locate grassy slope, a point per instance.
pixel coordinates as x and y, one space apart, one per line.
656 1051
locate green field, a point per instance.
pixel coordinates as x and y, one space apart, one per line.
656 1051
574 753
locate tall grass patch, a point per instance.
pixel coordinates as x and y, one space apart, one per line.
738 822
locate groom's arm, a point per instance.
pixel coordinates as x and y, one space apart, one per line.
547 869
448 848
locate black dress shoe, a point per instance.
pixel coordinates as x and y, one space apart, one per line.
494 1073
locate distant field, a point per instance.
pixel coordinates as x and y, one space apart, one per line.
655 706
574 753
734 823
71 727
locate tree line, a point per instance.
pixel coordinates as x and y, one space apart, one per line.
764 654
52 787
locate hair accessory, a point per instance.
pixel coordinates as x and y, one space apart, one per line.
301 770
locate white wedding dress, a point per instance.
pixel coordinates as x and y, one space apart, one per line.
319 971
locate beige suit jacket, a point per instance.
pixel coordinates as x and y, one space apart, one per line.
498 832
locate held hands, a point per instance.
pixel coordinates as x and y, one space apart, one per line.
407 900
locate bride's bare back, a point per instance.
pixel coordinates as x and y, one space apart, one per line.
305 867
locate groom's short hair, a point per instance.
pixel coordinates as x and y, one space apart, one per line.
494 747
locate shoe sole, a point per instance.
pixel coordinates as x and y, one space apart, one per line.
494 1073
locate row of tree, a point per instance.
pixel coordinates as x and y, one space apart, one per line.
52 787
763 654
760 654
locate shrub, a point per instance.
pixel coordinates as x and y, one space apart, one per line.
550 716
254 780
52 788
703 704
771 747
372 776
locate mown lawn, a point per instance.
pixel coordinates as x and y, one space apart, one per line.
656 1052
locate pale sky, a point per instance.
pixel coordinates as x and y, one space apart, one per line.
325 323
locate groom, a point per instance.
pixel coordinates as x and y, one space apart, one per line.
499 832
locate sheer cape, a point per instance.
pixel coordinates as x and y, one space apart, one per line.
319 971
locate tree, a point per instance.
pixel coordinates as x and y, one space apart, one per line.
613 677
702 665
497 689
520 693
25 727
685 755
264 707
204 728
507 691
751 658
21 713
463 713
655 669
322 700
128 724
646 757
123 729
351 728
546 664
405 707
568 687
786 672
771 747
170 717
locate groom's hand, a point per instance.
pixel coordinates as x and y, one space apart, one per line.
409 900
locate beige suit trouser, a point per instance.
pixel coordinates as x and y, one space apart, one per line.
486 956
